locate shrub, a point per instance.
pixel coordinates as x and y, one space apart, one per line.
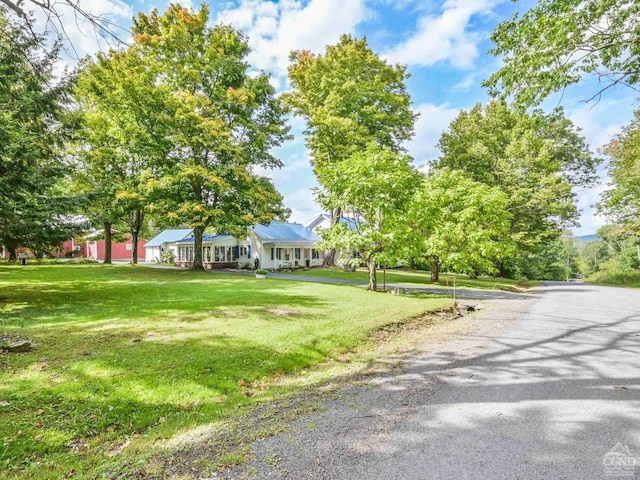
261 271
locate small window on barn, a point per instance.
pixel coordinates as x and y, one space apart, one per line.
129 247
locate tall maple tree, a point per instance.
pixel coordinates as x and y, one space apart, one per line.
348 97
224 120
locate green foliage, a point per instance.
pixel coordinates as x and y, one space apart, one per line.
535 159
120 143
458 222
180 113
621 203
373 188
349 98
261 271
558 42
592 257
556 259
615 259
34 202
134 361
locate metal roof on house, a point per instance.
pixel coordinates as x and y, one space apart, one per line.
325 217
285 232
205 238
169 235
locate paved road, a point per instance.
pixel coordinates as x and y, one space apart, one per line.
461 293
547 399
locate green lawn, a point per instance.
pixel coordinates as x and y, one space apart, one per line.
131 359
420 277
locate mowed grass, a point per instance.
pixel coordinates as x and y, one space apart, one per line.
130 358
420 277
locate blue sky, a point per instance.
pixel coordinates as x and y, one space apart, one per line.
444 45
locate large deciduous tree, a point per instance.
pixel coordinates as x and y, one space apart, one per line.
558 42
122 140
535 159
622 201
373 187
33 204
457 223
223 122
348 97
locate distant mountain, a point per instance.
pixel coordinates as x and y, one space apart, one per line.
588 238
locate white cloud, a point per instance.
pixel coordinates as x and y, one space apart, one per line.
302 204
466 83
590 221
433 120
601 121
275 29
444 36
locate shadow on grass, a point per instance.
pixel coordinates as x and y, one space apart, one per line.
135 293
147 388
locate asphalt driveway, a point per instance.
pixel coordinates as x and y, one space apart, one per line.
548 387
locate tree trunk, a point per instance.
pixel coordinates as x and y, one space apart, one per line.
373 281
197 249
435 270
502 271
13 256
107 242
330 254
413 263
135 226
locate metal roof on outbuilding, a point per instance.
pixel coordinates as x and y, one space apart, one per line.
206 238
169 235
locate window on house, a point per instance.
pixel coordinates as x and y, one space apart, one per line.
243 252
315 254
296 254
230 254
217 254
279 253
206 254
272 250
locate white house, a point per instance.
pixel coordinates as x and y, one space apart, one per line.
323 221
273 246
282 245
218 251
165 241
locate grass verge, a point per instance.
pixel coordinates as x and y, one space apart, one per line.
133 362
602 278
421 277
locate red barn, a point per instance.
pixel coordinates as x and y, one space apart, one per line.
120 248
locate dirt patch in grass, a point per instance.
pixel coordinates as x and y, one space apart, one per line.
283 312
